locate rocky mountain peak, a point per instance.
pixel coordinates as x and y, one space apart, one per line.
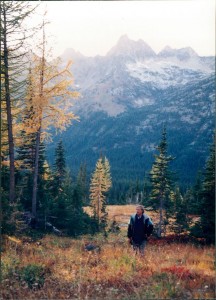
133 49
187 52
182 54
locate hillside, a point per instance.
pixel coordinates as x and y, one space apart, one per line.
127 96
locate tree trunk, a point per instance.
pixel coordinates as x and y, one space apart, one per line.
0 193
98 210
161 217
35 178
38 135
9 115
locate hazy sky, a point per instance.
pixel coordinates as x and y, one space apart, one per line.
93 27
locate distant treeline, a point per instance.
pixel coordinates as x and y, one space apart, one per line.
36 95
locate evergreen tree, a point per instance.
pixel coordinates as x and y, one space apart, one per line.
161 181
196 204
146 191
59 166
61 180
81 184
206 227
189 198
136 192
67 212
1 215
25 159
67 205
129 194
181 223
13 36
45 182
58 208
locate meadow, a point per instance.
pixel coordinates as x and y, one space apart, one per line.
52 267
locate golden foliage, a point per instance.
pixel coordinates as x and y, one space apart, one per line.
100 184
97 188
49 96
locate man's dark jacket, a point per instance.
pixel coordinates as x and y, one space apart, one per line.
139 228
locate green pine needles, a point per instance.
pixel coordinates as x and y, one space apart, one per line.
161 181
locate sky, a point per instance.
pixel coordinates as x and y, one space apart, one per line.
94 27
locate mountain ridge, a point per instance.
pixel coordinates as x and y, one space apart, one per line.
125 39
103 81
125 101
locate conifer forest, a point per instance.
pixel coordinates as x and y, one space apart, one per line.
76 160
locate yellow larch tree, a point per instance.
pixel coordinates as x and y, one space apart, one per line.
108 180
100 185
50 91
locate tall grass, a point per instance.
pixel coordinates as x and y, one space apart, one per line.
60 268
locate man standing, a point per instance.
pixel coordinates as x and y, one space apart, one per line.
139 229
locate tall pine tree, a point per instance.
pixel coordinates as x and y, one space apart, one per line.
60 165
66 209
161 182
58 207
206 227
13 36
180 215
81 184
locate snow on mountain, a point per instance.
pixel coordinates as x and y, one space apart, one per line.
131 73
163 72
171 67
128 95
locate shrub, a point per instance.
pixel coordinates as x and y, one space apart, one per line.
179 271
34 234
33 275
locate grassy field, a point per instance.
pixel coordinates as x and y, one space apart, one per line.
60 268
122 213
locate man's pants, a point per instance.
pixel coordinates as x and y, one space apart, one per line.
139 247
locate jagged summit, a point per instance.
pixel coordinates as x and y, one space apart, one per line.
136 50
187 52
130 48
182 53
